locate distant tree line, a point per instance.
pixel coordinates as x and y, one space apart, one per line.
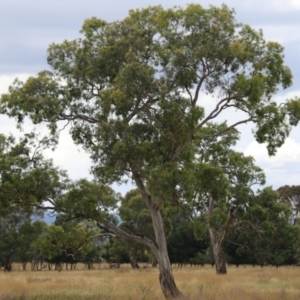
219 219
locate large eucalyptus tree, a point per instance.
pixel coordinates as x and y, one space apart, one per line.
132 92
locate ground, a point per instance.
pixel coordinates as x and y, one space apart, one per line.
245 282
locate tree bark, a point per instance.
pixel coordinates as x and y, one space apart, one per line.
8 262
219 257
159 249
49 266
7 266
219 260
166 278
133 262
154 262
217 240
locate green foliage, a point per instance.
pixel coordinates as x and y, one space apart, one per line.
118 252
266 232
70 240
52 243
130 88
136 219
7 247
86 199
290 195
28 233
17 237
183 248
27 178
135 215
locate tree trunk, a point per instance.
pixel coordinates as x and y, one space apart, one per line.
154 262
218 253
166 278
49 266
32 265
217 239
133 262
8 262
159 249
219 260
7 266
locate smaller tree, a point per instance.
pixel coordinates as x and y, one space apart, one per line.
290 195
183 248
52 244
218 186
28 233
118 253
266 232
27 179
11 219
58 243
8 246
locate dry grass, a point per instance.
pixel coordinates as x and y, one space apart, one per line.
268 283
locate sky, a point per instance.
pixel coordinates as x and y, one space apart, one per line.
28 27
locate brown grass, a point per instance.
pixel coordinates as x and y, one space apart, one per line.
246 283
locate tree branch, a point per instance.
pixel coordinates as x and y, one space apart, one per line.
225 130
226 228
113 229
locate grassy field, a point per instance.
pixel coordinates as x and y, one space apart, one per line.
243 283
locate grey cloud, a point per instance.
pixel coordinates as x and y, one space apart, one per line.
71 13
26 60
288 174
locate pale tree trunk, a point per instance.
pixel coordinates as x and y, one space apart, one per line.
133 262
220 263
158 247
154 262
166 278
217 240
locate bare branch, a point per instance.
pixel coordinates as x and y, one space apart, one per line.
226 228
113 229
214 112
225 130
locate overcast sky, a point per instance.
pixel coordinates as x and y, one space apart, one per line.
28 27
